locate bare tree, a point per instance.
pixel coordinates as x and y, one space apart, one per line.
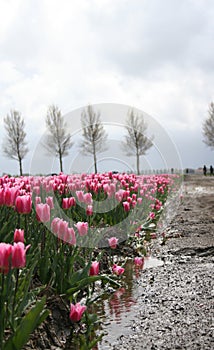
94 134
208 127
136 142
14 145
57 141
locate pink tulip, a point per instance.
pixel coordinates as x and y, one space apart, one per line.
126 206
62 228
89 210
66 203
152 215
18 236
70 236
134 196
43 212
38 200
50 202
23 204
5 256
139 261
63 177
10 194
113 242
94 269
72 201
54 225
117 270
88 198
12 255
19 255
2 196
80 196
139 200
82 228
36 190
76 312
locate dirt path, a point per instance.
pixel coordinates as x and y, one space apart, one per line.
177 299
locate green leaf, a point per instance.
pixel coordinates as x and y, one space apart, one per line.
28 324
84 282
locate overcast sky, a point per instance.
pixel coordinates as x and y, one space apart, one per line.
154 55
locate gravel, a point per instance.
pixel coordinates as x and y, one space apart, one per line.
176 309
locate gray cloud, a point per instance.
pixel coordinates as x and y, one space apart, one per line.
153 55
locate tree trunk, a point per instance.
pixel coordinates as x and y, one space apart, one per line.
20 166
138 163
95 159
95 163
60 161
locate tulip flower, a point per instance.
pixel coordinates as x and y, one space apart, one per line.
18 235
54 225
126 206
62 228
139 261
88 198
13 256
70 236
50 202
80 196
89 210
76 312
139 200
94 269
43 212
113 242
117 270
66 203
19 255
2 196
82 228
10 194
38 200
5 257
152 215
23 204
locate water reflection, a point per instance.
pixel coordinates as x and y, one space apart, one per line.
117 309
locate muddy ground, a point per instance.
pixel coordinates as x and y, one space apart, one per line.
177 299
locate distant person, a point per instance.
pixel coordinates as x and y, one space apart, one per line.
205 170
211 170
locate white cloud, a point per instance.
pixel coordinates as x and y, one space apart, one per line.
153 55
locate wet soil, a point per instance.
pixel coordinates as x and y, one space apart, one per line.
176 300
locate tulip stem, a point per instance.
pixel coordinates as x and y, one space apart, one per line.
2 311
26 225
15 292
18 220
43 241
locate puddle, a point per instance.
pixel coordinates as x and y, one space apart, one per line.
200 190
117 310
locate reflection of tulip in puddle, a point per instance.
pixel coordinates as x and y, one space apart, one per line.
120 307
120 302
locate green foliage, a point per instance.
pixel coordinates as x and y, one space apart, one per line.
28 324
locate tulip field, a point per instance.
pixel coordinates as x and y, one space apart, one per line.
66 237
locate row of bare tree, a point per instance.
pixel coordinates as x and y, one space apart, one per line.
58 141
